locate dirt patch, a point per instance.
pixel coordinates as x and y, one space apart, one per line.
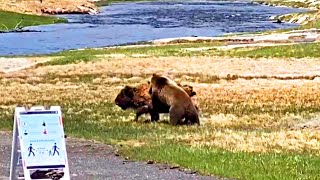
310 124
16 64
48 6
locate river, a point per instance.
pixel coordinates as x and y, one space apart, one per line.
122 23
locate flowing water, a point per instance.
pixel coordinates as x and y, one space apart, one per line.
122 23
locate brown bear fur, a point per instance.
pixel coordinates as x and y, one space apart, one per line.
139 99
165 92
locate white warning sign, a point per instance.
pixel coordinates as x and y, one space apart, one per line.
42 144
42 139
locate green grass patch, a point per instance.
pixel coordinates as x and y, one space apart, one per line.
75 56
108 2
302 50
102 3
228 164
295 4
165 50
106 123
92 120
312 24
239 109
9 20
71 59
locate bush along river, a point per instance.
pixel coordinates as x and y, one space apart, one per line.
122 23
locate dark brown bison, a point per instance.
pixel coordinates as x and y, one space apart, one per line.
139 99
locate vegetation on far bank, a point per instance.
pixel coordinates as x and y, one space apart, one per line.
288 3
108 2
9 20
86 55
308 19
302 50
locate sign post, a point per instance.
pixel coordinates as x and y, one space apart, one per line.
38 142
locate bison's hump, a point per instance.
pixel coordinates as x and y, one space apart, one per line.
141 96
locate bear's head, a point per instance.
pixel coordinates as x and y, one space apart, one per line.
188 89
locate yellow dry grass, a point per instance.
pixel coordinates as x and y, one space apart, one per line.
251 115
277 141
35 6
207 66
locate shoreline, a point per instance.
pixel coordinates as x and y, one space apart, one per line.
302 18
47 7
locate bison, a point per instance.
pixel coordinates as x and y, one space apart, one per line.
139 99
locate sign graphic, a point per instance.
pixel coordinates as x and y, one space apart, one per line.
41 139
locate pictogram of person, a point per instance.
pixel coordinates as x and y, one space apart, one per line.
55 147
30 149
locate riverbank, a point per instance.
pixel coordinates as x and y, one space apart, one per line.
14 21
309 4
41 7
310 18
18 14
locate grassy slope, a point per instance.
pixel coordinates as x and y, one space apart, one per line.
295 4
89 112
207 160
107 2
8 20
294 51
86 55
250 166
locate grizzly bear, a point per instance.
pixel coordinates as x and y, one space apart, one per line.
165 92
139 99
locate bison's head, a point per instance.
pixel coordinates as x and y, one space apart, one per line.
125 97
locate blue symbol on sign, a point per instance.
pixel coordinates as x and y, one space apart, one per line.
30 149
54 148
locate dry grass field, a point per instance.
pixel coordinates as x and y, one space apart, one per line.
248 105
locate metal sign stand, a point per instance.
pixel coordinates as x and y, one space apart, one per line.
38 142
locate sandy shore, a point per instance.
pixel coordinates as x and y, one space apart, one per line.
49 6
